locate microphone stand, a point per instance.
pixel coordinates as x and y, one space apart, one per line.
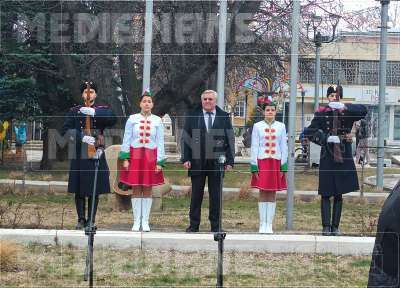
90 229
220 235
362 158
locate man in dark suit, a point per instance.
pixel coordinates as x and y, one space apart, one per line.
207 134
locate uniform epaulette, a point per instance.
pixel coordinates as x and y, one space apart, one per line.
101 106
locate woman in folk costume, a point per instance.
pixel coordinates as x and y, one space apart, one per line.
142 152
269 153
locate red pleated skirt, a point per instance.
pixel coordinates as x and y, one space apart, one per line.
270 177
142 169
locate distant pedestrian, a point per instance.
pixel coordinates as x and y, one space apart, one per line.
362 133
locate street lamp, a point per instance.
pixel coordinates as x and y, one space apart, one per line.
121 99
318 39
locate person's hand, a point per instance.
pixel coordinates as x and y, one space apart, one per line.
187 165
333 139
228 167
336 105
349 138
125 164
256 175
158 168
88 111
88 140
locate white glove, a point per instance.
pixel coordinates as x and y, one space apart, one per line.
333 139
88 140
88 111
336 105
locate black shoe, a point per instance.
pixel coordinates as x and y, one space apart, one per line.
336 231
326 231
190 229
81 224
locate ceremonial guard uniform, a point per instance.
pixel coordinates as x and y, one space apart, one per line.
331 128
81 174
269 153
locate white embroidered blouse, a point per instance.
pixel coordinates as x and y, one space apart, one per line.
144 131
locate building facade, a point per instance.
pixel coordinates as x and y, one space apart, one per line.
353 61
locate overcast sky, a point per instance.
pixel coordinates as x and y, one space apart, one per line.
359 4
350 5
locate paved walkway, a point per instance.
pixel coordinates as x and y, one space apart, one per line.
193 242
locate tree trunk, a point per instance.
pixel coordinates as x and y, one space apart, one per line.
101 71
131 85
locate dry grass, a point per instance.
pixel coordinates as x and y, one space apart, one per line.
60 266
245 191
9 252
239 215
15 175
41 209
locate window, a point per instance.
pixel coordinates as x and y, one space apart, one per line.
239 108
396 132
349 72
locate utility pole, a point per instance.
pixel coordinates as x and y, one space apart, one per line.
382 93
221 53
318 45
148 37
294 62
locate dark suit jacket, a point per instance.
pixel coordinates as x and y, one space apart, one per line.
199 145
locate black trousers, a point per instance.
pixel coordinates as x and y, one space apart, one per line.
80 204
198 182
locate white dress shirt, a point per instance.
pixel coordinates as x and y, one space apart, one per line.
206 117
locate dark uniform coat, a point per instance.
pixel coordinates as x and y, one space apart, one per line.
200 146
384 270
335 178
81 174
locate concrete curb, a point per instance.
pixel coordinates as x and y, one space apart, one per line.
303 195
387 185
277 243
